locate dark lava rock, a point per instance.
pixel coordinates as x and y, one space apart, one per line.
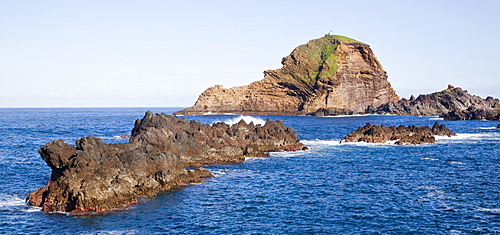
451 104
97 177
473 113
401 134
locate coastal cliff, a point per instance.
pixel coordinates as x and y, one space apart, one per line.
332 74
96 177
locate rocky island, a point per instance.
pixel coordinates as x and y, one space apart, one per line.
336 75
98 177
332 74
400 135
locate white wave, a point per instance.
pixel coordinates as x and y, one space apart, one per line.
339 143
470 136
33 209
247 119
251 159
488 128
497 210
320 142
287 154
362 143
458 163
436 118
218 173
11 201
430 158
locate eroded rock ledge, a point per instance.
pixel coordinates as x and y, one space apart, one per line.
97 177
401 134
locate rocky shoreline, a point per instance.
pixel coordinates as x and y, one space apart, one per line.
97 177
400 135
453 103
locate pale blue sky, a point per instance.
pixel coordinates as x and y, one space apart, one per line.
165 53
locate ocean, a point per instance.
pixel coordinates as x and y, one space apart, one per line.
451 187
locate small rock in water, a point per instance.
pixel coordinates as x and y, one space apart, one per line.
401 134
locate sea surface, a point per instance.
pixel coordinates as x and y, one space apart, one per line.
451 187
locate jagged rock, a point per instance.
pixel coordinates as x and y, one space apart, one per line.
451 104
201 144
473 113
97 177
330 73
401 134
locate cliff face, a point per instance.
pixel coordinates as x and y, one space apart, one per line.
332 72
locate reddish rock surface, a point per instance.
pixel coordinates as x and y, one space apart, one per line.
98 177
332 72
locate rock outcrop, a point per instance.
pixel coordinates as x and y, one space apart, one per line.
97 177
451 104
329 73
400 135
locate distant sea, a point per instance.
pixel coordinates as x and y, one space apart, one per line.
452 187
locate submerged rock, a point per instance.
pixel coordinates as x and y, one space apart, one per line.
97 177
451 104
329 73
401 134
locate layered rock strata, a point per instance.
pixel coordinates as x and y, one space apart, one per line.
451 104
330 73
400 135
97 177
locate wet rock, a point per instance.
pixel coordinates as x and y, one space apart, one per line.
96 177
401 134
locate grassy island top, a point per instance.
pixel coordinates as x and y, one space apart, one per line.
318 57
342 39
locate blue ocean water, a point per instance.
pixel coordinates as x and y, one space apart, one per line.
452 187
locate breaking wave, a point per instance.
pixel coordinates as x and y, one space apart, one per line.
7 201
470 136
247 119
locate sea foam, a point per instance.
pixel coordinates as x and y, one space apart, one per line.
10 201
247 119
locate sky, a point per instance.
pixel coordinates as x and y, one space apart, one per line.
165 53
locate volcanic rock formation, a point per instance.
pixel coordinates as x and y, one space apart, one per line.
330 73
401 134
96 177
451 104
